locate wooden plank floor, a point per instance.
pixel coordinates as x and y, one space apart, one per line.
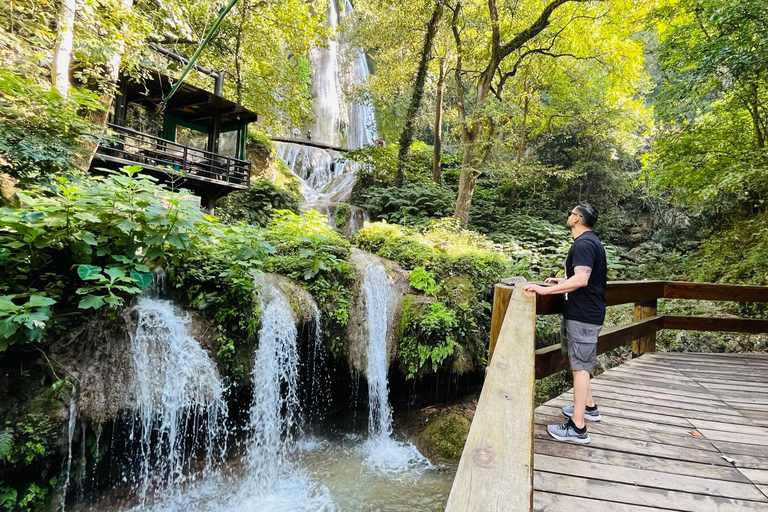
679 432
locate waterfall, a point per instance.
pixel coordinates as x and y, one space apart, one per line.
338 123
274 479
383 452
176 386
378 294
326 178
362 116
70 436
275 405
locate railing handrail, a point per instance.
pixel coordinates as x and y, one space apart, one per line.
204 152
496 471
154 152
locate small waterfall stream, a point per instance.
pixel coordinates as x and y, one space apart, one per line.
177 388
383 452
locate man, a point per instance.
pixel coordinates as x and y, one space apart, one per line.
583 315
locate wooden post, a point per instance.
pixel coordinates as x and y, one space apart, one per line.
501 295
496 468
645 344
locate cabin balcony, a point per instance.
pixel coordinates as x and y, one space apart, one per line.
209 175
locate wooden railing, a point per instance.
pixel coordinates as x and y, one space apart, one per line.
131 146
496 468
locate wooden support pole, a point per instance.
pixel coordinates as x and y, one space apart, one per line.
501 296
645 344
495 473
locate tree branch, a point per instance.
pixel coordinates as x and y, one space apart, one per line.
535 29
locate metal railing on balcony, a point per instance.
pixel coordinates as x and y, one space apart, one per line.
154 152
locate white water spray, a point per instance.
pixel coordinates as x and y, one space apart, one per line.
176 386
70 436
383 452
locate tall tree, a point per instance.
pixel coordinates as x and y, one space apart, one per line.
476 134
62 53
406 138
437 152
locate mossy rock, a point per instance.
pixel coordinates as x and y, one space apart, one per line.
443 439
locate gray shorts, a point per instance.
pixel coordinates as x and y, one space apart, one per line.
578 340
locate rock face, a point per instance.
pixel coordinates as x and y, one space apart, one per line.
440 432
357 328
303 305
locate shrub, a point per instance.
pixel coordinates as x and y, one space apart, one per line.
41 131
87 242
414 205
257 204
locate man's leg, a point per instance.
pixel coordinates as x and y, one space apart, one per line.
590 400
581 394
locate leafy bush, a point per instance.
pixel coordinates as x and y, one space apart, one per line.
414 205
41 131
427 336
93 237
257 204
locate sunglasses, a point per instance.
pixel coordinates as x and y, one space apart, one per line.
575 213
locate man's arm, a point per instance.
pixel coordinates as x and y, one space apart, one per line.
579 279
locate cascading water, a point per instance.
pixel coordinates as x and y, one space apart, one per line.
383 452
176 387
70 435
378 293
326 178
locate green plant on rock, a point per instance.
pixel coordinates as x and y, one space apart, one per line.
423 280
427 336
89 237
257 204
340 217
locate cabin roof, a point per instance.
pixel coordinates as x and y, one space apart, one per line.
189 103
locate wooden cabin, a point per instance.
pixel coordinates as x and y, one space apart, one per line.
196 142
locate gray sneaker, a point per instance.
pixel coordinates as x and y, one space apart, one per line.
588 415
567 432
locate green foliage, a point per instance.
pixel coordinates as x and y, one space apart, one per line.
257 204
27 441
736 254
427 336
340 217
41 132
421 279
312 253
95 237
413 205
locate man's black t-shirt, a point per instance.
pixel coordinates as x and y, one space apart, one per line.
587 304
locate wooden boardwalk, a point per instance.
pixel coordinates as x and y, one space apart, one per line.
679 432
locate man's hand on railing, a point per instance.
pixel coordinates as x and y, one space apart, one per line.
556 280
537 289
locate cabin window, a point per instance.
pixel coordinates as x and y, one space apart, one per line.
228 143
138 118
191 137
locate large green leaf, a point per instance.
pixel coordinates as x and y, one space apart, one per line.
143 279
91 301
87 272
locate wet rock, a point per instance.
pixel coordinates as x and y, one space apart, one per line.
303 305
440 432
356 342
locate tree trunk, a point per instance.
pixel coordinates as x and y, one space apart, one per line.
63 50
406 138
437 175
99 118
521 144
